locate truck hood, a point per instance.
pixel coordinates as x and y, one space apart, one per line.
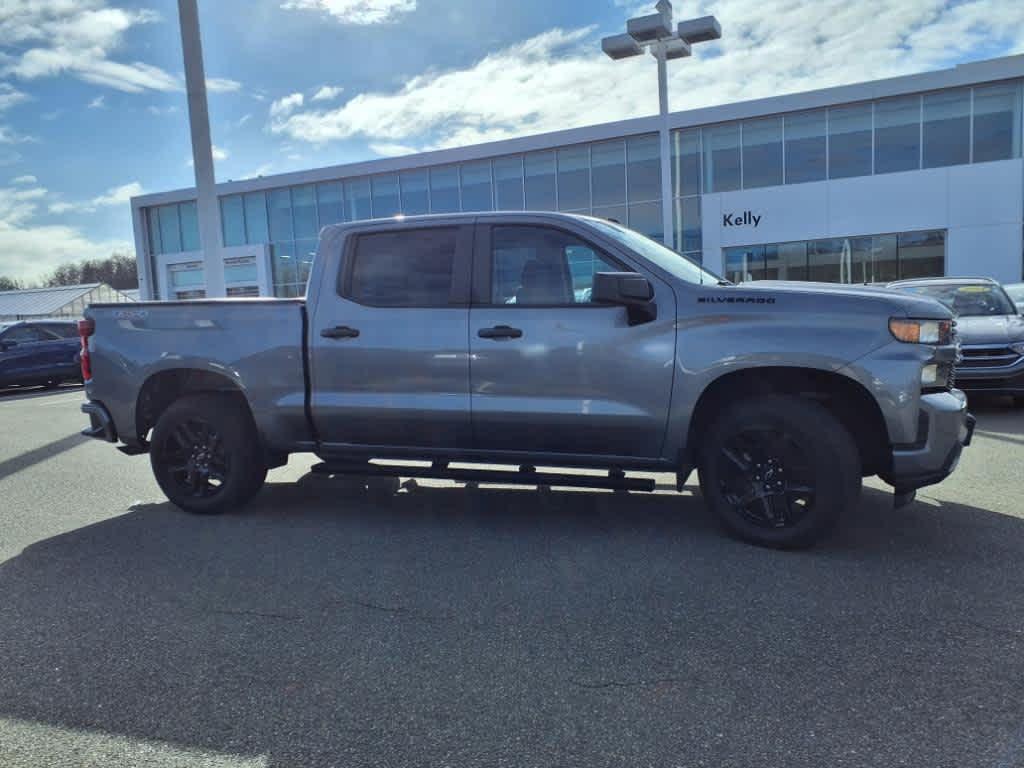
994 329
900 301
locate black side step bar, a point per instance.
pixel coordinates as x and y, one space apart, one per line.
526 475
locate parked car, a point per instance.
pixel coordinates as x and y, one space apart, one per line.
990 330
39 352
409 345
1016 293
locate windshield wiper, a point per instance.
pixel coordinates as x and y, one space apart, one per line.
725 282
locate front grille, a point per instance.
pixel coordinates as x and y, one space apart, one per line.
987 357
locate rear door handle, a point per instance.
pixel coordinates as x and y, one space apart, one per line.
499 332
339 332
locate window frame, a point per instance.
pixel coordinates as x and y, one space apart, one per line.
459 290
483 266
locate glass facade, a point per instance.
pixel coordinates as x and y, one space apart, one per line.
173 228
620 179
862 259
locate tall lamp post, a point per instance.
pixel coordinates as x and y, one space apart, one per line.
207 206
655 33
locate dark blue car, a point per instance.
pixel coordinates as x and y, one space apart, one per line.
39 352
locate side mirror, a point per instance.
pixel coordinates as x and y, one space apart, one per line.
629 290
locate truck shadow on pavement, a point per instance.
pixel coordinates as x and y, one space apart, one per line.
446 626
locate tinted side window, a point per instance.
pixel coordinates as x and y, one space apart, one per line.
411 268
540 266
61 330
26 333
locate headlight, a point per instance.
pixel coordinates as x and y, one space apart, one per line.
1018 347
914 331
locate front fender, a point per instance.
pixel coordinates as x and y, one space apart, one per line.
712 345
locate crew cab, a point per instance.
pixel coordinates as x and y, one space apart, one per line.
537 339
38 352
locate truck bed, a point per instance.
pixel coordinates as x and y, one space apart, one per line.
254 345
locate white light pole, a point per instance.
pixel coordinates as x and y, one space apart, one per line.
207 206
655 33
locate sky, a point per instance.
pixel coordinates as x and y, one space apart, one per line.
93 109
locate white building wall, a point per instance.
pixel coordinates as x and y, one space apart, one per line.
981 206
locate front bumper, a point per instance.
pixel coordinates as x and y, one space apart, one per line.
945 429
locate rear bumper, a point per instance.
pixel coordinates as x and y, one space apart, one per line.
946 428
101 426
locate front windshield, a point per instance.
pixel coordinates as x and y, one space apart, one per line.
968 300
674 263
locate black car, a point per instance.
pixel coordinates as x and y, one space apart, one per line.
990 330
39 352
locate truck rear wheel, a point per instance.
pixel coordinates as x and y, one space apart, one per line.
206 454
779 471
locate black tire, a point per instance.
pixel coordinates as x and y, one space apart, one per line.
206 454
779 471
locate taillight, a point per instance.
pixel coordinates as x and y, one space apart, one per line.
86 328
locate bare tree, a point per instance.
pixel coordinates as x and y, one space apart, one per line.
119 271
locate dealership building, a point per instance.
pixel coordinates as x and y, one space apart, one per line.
904 177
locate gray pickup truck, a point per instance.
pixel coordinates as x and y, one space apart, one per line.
537 339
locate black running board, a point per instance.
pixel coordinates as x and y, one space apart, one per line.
525 475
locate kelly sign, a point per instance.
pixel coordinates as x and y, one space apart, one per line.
744 219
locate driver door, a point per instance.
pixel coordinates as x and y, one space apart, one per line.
552 372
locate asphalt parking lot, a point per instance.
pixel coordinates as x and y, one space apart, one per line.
446 627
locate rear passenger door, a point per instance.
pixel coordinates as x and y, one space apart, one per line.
389 348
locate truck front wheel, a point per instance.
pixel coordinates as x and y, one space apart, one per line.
206 454
779 470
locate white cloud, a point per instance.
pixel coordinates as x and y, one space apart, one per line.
356 11
118 195
286 105
560 79
26 179
222 85
328 92
218 154
10 96
115 196
31 249
7 136
243 120
77 37
385 149
97 103
168 110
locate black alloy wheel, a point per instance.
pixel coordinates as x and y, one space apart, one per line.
779 470
196 460
206 453
764 474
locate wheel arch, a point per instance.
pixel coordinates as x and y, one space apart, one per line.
845 398
165 387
